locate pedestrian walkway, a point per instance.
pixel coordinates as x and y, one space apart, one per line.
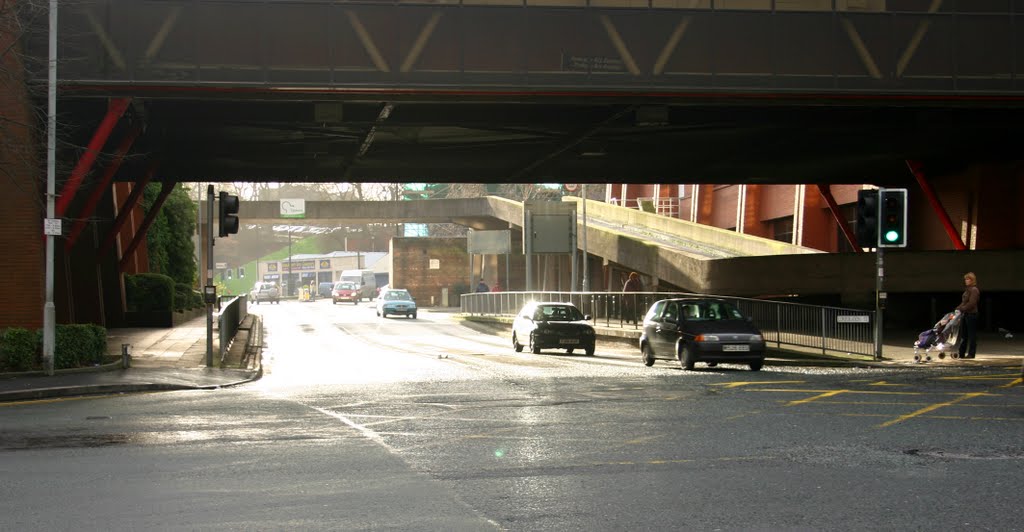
160 359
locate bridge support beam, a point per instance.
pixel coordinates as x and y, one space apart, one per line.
917 169
833 207
101 187
165 190
115 109
125 211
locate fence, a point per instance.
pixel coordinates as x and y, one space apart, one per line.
793 325
231 316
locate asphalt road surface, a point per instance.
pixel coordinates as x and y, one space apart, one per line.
369 423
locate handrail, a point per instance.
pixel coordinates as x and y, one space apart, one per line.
231 316
821 328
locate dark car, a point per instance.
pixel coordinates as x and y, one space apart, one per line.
693 330
324 289
552 325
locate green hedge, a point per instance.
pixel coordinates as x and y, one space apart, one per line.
74 346
185 298
20 349
148 292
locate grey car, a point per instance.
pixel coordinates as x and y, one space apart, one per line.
692 330
552 325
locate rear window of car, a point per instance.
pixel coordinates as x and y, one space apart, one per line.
396 295
345 286
558 313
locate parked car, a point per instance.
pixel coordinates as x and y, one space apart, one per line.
396 301
324 289
693 330
345 291
552 325
265 291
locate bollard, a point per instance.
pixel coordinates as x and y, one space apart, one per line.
126 356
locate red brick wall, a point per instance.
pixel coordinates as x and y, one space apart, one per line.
410 268
22 201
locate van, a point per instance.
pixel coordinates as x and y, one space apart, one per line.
364 279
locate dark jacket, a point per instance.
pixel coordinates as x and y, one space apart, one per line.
969 301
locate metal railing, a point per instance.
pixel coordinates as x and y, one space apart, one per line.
833 330
231 315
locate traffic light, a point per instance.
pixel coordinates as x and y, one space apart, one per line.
228 211
892 218
867 218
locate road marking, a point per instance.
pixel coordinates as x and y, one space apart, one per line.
75 398
816 397
1013 383
884 383
930 408
738 384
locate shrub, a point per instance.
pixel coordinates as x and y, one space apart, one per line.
147 292
79 345
20 349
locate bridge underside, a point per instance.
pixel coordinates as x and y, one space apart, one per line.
245 136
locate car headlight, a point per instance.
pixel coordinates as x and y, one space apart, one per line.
706 338
756 338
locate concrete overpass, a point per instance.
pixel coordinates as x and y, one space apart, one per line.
688 255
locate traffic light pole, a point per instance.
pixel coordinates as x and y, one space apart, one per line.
209 276
880 297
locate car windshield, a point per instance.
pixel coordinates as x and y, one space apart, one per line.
557 313
345 286
393 295
707 311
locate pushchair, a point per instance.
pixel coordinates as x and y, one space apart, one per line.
941 338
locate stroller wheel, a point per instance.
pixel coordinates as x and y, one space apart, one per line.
917 358
954 355
942 356
928 358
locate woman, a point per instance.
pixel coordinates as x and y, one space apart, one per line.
968 307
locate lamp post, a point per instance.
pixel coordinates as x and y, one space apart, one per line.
289 259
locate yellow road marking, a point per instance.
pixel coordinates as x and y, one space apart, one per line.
816 397
883 383
930 408
864 392
738 384
980 377
1013 383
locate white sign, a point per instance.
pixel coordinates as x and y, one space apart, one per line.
435 264
853 319
52 227
221 265
293 208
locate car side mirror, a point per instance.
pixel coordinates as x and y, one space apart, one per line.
587 317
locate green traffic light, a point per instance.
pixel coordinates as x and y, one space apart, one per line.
892 236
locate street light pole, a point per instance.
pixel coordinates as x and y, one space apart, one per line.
49 310
289 259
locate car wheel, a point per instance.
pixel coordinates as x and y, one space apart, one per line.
756 366
712 364
569 351
589 351
334 301
686 358
534 348
356 302
648 355
378 313
515 344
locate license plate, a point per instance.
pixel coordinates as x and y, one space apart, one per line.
735 347
569 341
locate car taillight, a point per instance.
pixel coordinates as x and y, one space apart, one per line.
706 338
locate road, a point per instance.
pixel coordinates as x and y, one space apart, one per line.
369 423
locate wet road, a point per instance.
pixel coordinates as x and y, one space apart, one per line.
367 423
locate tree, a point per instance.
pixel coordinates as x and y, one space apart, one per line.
169 240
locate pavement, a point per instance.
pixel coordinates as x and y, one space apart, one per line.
174 358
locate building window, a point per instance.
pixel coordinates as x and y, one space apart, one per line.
782 229
849 213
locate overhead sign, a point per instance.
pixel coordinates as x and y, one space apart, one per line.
498 242
293 208
853 319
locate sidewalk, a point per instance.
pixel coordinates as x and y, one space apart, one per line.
162 359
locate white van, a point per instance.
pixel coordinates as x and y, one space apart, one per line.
364 279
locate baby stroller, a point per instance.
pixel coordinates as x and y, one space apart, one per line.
940 338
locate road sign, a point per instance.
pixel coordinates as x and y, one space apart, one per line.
853 319
52 226
571 187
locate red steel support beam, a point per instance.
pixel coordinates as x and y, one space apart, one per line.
101 187
165 190
126 210
115 109
833 207
917 169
